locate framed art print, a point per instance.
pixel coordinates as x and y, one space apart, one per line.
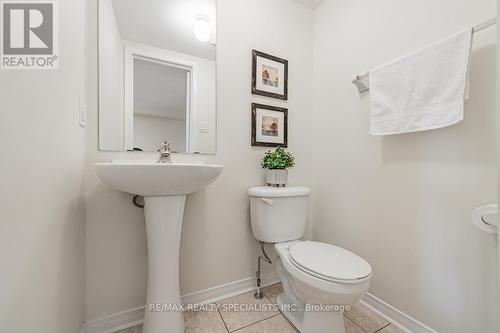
269 75
269 126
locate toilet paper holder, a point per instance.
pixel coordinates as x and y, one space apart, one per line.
486 218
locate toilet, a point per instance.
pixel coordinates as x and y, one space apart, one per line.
319 280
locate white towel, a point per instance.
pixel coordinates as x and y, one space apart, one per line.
423 90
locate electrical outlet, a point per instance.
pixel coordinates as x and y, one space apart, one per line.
82 114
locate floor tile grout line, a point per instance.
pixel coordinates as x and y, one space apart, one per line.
389 324
222 318
370 331
281 312
259 321
269 299
289 322
356 324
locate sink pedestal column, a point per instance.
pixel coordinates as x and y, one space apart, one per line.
163 227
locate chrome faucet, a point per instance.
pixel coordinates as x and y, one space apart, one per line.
164 153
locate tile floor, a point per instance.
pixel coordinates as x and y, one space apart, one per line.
358 320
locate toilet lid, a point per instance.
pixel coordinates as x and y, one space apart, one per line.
329 261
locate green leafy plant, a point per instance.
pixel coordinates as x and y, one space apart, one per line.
278 159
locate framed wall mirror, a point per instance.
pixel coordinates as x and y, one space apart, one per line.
157 75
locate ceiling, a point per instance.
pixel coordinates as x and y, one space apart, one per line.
310 3
167 24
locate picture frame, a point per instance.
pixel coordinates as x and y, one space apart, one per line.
269 75
269 126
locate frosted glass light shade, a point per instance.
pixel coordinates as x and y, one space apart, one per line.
202 28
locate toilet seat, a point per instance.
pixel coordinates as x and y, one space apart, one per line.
328 262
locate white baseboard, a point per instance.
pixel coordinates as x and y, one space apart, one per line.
115 322
215 294
395 316
133 317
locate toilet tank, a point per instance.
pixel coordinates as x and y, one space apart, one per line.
278 214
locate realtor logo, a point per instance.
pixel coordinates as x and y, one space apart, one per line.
29 36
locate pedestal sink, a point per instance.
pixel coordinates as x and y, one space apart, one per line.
164 187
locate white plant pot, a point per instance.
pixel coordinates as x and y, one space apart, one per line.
277 178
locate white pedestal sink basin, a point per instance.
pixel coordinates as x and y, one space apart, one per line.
164 187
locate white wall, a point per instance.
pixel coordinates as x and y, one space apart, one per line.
217 245
206 111
498 178
404 202
42 211
148 131
111 84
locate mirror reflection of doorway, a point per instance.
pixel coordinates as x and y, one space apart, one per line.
161 104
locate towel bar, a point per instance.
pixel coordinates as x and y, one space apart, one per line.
361 81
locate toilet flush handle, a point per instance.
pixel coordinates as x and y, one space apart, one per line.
267 201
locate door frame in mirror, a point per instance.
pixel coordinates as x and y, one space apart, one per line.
135 51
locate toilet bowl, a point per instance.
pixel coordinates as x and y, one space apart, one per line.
319 280
322 297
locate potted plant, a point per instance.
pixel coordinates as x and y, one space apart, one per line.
277 162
